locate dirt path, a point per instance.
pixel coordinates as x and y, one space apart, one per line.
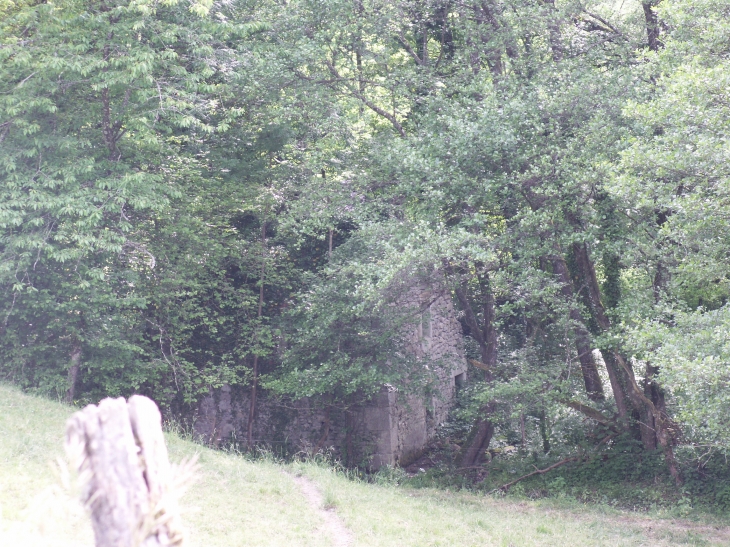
333 526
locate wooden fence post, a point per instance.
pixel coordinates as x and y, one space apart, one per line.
120 454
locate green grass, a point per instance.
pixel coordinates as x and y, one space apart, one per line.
390 515
236 502
233 501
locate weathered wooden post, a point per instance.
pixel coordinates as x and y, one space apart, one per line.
120 454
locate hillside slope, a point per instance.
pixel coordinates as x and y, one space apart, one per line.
233 501
236 502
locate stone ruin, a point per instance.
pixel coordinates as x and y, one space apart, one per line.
392 428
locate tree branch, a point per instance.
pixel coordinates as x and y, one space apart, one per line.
409 49
609 26
593 414
375 108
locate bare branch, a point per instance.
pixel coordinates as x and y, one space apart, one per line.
409 49
375 108
505 487
593 414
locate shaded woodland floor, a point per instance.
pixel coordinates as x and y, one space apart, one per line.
238 502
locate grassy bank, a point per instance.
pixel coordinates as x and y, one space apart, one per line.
233 501
404 516
237 502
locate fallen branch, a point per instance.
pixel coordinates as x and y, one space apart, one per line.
504 487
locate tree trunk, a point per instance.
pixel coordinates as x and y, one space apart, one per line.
486 337
120 454
325 426
664 430
483 14
523 438
349 437
554 38
652 24
591 378
544 432
255 371
482 433
73 372
654 424
252 402
615 376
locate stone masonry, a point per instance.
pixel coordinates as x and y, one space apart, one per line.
391 429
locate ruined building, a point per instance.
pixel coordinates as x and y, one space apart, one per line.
390 429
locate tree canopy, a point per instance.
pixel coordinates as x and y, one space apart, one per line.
209 193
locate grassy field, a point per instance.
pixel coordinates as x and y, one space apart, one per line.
398 516
233 501
236 502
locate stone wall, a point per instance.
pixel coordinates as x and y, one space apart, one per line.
414 421
391 429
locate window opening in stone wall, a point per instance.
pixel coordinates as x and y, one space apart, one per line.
460 381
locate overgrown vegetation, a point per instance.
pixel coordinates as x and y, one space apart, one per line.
232 193
625 477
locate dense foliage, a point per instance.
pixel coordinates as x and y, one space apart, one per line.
232 193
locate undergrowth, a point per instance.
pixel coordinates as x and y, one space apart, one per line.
623 476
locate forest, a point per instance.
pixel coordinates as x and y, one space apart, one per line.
200 193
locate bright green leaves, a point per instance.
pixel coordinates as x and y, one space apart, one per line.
347 333
677 163
99 105
144 145
694 358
